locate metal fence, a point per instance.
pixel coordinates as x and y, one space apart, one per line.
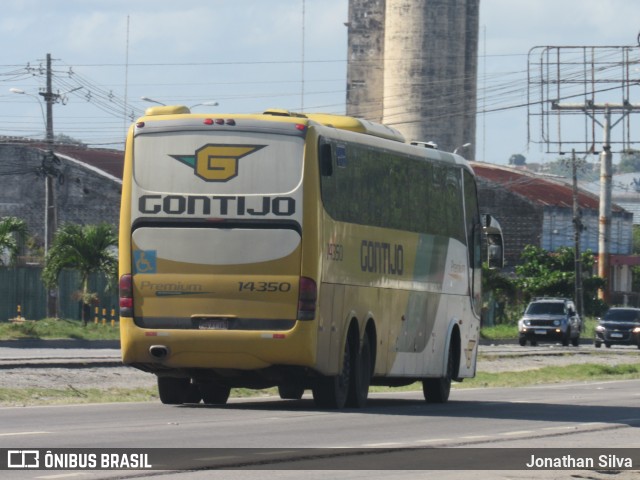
22 292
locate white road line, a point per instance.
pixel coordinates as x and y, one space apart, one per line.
389 444
21 433
518 432
65 475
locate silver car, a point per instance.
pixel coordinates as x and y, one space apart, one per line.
550 319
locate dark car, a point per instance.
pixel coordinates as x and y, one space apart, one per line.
550 319
620 326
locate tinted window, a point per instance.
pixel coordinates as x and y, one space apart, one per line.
381 188
546 308
622 315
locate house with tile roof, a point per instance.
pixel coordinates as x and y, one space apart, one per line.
87 183
536 209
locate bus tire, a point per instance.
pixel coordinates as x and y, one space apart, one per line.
290 392
359 389
437 390
332 392
214 393
173 390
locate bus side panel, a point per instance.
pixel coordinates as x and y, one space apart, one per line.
330 326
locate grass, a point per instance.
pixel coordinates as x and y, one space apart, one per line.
540 376
70 395
554 374
56 328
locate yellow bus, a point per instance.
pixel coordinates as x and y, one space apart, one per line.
304 252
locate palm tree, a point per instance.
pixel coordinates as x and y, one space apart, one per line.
87 249
12 231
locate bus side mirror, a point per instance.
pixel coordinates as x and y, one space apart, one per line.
495 241
495 256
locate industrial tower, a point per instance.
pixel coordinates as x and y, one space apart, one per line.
412 65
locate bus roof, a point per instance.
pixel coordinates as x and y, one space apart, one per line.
341 122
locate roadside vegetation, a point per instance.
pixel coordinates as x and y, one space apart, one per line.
55 329
68 394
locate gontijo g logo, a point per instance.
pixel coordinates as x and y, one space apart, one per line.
217 162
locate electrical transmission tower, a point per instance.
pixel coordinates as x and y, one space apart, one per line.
573 95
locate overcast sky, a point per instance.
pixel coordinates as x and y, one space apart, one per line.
250 55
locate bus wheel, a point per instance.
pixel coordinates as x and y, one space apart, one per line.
362 376
214 393
290 392
332 392
437 390
173 390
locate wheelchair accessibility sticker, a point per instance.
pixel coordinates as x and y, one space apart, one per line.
144 261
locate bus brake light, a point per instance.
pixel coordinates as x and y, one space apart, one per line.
126 295
307 296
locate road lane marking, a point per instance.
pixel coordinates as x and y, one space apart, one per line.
434 440
517 432
21 433
388 444
65 475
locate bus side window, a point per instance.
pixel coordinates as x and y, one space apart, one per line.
326 161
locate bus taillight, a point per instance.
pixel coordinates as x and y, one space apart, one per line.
126 295
307 297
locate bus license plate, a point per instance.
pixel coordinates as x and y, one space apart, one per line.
213 324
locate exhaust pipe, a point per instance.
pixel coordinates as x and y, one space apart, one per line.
159 351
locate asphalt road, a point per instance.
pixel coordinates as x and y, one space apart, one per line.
582 415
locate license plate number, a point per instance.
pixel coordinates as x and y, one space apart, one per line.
213 324
616 335
541 332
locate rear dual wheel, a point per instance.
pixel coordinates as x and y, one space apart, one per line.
214 393
178 390
350 387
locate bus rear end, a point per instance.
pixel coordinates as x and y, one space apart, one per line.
210 253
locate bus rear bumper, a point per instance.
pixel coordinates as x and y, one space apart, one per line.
217 349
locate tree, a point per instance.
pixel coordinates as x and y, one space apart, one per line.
12 232
629 162
543 273
87 249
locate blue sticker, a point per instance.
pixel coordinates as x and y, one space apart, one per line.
144 261
341 156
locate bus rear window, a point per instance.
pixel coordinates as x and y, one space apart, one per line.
228 164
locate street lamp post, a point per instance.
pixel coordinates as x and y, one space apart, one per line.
461 147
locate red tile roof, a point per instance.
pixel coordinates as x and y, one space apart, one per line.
546 191
110 161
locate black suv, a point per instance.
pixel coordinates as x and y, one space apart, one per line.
553 319
620 326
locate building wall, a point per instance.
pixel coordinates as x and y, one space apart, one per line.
83 195
520 220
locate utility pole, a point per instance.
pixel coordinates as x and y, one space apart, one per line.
578 227
604 231
50 213
604 221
